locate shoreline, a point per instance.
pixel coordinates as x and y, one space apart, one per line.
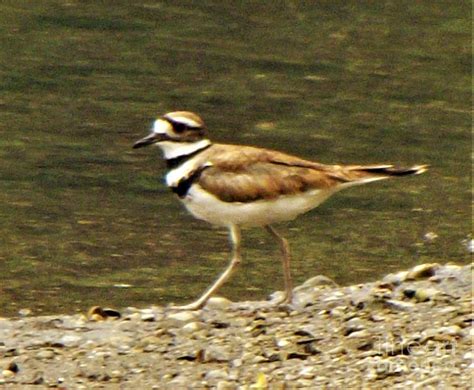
412 328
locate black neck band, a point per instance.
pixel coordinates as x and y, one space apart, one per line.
177 161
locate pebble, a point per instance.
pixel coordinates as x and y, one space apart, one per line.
7 374
453 330
398 305
396 279
425 294
181 318
359 334
423 271
45 354
218 303
315 282
213 375
24 312
70 340
217 353
148 315
192 327
307 372
394 340
225 385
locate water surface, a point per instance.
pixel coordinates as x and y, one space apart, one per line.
83 216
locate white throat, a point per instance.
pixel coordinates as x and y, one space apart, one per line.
177 149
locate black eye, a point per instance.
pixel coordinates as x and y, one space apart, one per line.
179 127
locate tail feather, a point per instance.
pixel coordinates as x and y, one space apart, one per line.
361 174
390 170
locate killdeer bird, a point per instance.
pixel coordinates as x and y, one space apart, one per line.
237 186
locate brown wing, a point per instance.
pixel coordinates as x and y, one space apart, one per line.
248 174
245 174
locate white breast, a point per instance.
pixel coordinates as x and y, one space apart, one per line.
207 207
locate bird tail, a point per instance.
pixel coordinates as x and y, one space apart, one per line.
361 174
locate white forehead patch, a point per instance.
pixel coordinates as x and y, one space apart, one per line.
161 126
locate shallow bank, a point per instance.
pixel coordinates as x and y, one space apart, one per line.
411 329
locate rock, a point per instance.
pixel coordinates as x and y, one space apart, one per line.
225 385
7 374
70 340
397 305
315 282
396 279
192 327
430 236
359 334
308 372
423 271
425 294
283 343
181 318
217 374
24 312
217 353
218 303
45 354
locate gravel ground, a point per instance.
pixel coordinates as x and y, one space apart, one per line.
409 330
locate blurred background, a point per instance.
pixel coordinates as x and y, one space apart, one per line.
85 220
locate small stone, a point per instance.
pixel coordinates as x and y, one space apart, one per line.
70 340
377 317
216 374
277 296
468 355
430 236
218 303
283 343
181 318
307 372
225 385
423 271
217 353
96 313
116 374
192 327
45 354
397 305
109 313
427 383
7 374
453 330
425 294
396 279
24 312
340 350
359 334
148 317
338 311
13 367
236 363
316 281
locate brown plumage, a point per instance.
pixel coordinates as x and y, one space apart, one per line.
246 174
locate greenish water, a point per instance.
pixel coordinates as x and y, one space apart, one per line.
336 81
